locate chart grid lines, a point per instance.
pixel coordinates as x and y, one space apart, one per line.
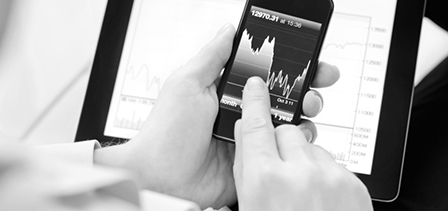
336 49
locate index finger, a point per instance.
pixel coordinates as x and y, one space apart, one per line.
257 132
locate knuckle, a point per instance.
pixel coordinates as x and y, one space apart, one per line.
285 128
256 98
340 178
268 174
213 63
256 123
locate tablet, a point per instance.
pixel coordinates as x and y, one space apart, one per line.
366 113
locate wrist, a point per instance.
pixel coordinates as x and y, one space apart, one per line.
108 156
117 156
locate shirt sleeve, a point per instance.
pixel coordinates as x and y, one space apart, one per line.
78 152
33 180
85 177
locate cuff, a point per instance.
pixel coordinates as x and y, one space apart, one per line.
79 152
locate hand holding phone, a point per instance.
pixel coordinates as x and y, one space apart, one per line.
280 42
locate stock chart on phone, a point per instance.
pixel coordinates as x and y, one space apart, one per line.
277 48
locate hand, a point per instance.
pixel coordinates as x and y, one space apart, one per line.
277 169
175 153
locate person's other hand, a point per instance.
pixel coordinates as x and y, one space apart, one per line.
175 153
278 169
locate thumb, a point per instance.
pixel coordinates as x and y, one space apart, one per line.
208 63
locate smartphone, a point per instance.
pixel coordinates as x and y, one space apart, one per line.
280 42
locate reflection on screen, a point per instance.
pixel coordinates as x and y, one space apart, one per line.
164 34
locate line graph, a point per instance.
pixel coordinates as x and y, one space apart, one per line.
283 81
141 87
342 46
267 48
263 57
142 82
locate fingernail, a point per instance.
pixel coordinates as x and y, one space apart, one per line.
321 99
255 83
308 135
223 29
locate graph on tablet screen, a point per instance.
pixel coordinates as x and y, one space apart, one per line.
164 34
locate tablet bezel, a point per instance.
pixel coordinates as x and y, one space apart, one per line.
104 72
383 183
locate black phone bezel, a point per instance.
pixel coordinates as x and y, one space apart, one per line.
319 11
383 183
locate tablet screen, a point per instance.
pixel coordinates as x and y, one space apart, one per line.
163 34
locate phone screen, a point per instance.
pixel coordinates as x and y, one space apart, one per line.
279 49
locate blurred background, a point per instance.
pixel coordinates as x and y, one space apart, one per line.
46 52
